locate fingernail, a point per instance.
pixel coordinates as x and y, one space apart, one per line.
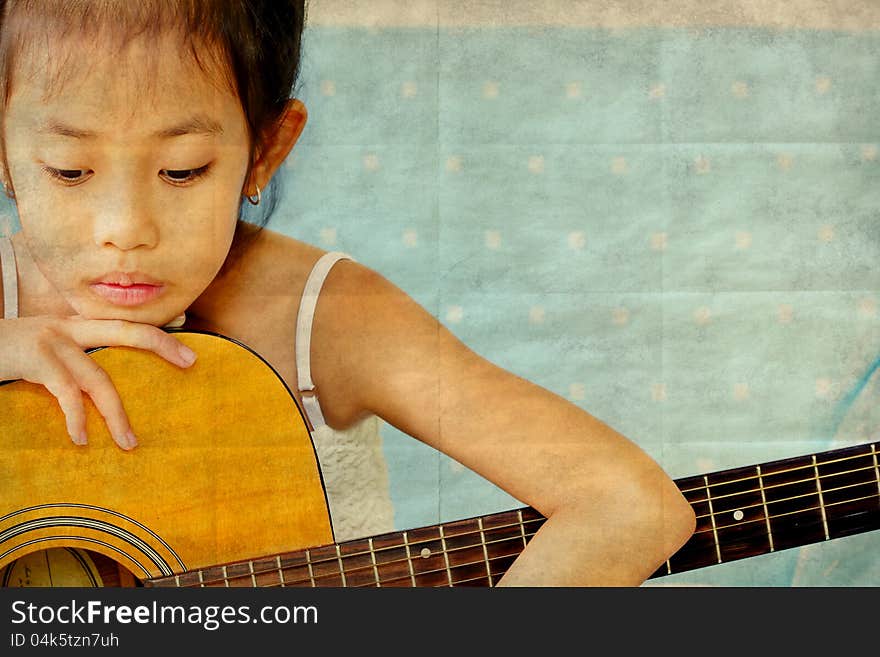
187 355
131 440
79 438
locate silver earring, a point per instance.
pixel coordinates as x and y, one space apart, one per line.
259 197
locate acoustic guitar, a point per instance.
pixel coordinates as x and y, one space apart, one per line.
225 489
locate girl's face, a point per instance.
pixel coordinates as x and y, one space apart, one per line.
127 177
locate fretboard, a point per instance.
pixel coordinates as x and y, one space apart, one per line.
742 512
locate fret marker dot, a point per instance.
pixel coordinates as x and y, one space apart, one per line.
738 515
425 553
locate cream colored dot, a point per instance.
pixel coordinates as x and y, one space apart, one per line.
491 89
492 239
574 90
577 391
658 392
620 316
868 307
741 391
702 315
328 236
743 240
869 152
784 161
425 553
619 166
826 233
823 84
785 313
371 162
702 164
453 164
657 91
576 240
738 515
409 89
410 237
823 388
454 314
659 241
328 88
536 164
705 464
536 315
740 89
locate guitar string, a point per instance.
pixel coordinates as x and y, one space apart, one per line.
517 538
334 558
870 482
765 475
480 562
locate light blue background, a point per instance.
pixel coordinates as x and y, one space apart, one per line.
677 230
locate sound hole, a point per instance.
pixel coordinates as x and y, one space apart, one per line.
60 567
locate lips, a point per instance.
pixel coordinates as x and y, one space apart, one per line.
127 288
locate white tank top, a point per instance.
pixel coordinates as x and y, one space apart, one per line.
352 463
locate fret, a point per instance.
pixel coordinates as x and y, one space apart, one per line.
821 501
253 578
792 502
339 561
392 562
324 566
466 555
225 578
849 491
522 526
876 468
502 541
699 550
485 552
412 574
445 556
737 513
712 518
764 505
429 557
311 570
357 560
177 578
375 567
280 572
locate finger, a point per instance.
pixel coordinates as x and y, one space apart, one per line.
88 333
57 379
96 383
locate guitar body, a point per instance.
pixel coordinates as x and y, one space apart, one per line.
225 470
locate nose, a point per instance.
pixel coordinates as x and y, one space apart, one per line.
125 220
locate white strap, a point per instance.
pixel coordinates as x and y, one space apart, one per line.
304 320
10 279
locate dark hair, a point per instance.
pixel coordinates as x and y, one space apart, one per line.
256 42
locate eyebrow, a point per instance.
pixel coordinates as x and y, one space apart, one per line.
198 124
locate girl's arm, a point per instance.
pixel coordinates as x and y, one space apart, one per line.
613 515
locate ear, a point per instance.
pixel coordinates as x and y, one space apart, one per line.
277 146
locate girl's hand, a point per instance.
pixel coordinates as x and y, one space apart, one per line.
50 351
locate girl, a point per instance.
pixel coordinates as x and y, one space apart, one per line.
132 135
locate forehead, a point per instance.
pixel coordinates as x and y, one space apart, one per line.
136 86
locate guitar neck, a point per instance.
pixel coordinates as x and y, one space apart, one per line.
741 512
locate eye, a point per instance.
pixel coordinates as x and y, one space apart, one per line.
183 176
67 176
